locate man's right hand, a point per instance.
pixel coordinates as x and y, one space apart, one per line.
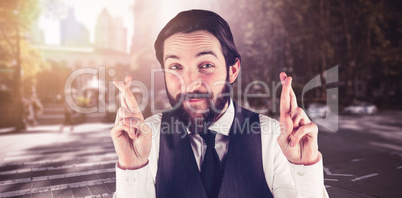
132 138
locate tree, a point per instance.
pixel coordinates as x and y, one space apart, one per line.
16 16
307 37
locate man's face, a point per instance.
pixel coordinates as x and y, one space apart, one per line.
196 74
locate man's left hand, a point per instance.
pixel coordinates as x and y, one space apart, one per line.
298 138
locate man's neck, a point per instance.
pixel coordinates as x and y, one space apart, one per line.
222 112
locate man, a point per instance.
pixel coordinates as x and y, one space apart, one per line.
207 146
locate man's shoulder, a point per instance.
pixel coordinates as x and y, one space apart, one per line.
269 126
154 119
263 118
267 119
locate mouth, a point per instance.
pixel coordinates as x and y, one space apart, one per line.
195 100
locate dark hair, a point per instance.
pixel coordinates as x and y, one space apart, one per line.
195 20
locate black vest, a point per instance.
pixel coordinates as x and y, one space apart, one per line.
178 174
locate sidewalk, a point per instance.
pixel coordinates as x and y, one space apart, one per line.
48 163
362 159
79 128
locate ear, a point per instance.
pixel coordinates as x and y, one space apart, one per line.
234 71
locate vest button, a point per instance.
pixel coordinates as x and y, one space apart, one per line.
300 173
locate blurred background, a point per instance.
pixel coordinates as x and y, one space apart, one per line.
42 42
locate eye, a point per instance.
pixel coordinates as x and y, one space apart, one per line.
175 67
205 66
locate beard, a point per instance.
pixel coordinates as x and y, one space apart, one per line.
198 118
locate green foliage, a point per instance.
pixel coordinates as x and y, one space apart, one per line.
21 12
16 17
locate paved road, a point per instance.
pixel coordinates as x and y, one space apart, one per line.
46 163
362 159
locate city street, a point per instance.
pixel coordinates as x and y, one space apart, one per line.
362 159
46 163
72 62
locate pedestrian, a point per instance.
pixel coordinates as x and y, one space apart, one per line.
32 105
29 114
68 118
207 145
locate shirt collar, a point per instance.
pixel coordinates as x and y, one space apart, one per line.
223 124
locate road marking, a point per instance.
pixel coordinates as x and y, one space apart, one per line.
26 170
364 177
399 167
358 159
68 175
55 155
86 164
65 159
60 150
9 172
331 180
55 187
326 170
57 176
43 168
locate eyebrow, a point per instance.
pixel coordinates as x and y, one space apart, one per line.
171 56
203 53
206 53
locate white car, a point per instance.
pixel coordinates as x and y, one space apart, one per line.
362 108
318 110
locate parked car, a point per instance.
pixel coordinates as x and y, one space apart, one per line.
361 108
318 110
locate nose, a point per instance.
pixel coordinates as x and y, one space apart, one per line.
192 81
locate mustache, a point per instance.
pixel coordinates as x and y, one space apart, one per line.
195 95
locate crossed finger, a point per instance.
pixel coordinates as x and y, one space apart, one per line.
127 98
288 97
288 103
301 132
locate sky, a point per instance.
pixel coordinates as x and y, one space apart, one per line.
86 12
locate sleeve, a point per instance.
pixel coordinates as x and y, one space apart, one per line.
284 178
140 183
134 183
309 180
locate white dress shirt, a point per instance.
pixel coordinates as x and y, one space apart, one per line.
284 179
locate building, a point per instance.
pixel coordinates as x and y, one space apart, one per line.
110 34
119 36
73 33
